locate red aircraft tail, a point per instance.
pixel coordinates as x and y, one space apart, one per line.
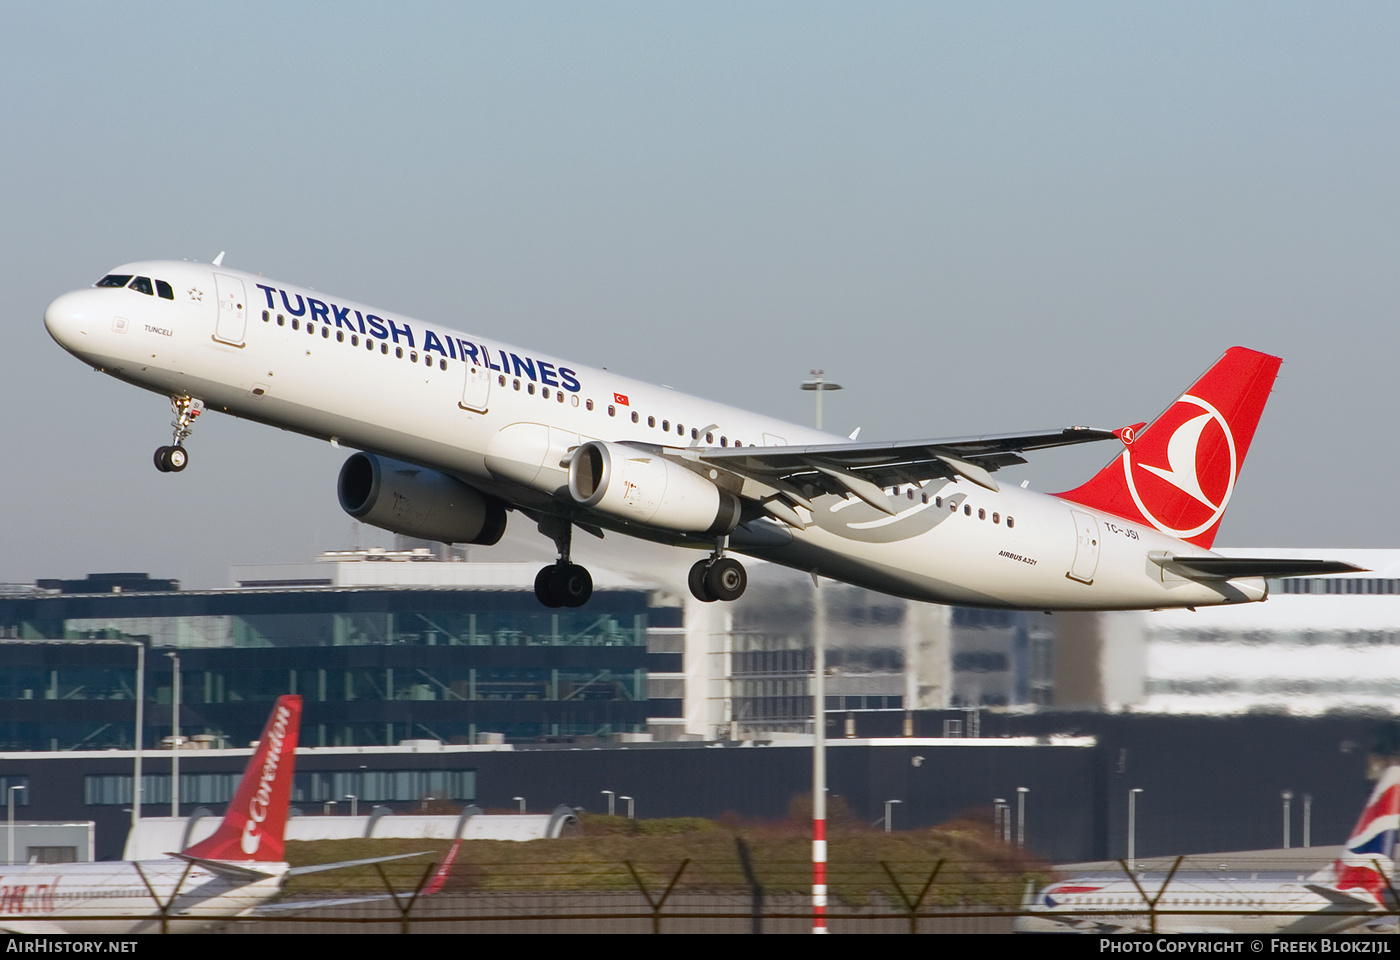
1178 473
252 827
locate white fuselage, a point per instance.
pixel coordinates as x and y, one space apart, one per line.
396 386
1193 905
125 896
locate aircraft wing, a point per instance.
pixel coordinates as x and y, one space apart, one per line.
787 476
1228 568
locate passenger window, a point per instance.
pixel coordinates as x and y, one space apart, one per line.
588 404
612 410
724 441
165 292
938 501
442 364
967 509
516 383
709 438
666 425
142 285
635 418
384 349
502 379
325 333
310 328
296 324
651 421
114 280
981 514
340 336
996 518
398 353
281 320
266 316
680 429
559 396
412 356
530 389
1010 522
925 498
909 493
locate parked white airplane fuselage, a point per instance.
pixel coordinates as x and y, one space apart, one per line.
113 898
354 375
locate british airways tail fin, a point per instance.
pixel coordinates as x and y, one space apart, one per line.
1177 473
251 831
1368 861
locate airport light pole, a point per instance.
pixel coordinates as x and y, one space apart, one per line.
611 797
10 824
631 807
140 734
174 734
1132 828
888 805
1307 820
1287 797
1001 812
819 385
354 804
818 757
521 801
1021 816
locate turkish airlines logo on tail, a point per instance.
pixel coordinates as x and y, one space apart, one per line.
1190 450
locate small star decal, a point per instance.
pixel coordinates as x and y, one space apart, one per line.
196 293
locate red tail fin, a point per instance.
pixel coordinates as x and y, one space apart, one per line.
1178 473
257 815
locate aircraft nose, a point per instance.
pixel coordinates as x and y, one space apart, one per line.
69 319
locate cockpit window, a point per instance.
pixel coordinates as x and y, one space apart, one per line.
165 290
142 285
114 280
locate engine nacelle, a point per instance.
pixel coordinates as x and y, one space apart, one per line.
640 487
417 502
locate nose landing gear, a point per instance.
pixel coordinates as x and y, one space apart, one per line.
562 583
174 458
718 577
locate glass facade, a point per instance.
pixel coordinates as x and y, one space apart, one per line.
318 786
374 665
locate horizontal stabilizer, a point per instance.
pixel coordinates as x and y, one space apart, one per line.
1339 899
1228 568
342 864
237 872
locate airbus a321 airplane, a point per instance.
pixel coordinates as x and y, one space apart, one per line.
457 430
1353 892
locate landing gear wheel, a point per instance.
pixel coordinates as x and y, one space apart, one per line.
544 587
696 580
563 585
162 464
176 459
573 583
726 579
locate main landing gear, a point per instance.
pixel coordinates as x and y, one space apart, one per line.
562 583
718 577
174 458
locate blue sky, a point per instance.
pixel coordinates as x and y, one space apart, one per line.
976 217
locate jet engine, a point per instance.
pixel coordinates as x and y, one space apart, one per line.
645 488
417 502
